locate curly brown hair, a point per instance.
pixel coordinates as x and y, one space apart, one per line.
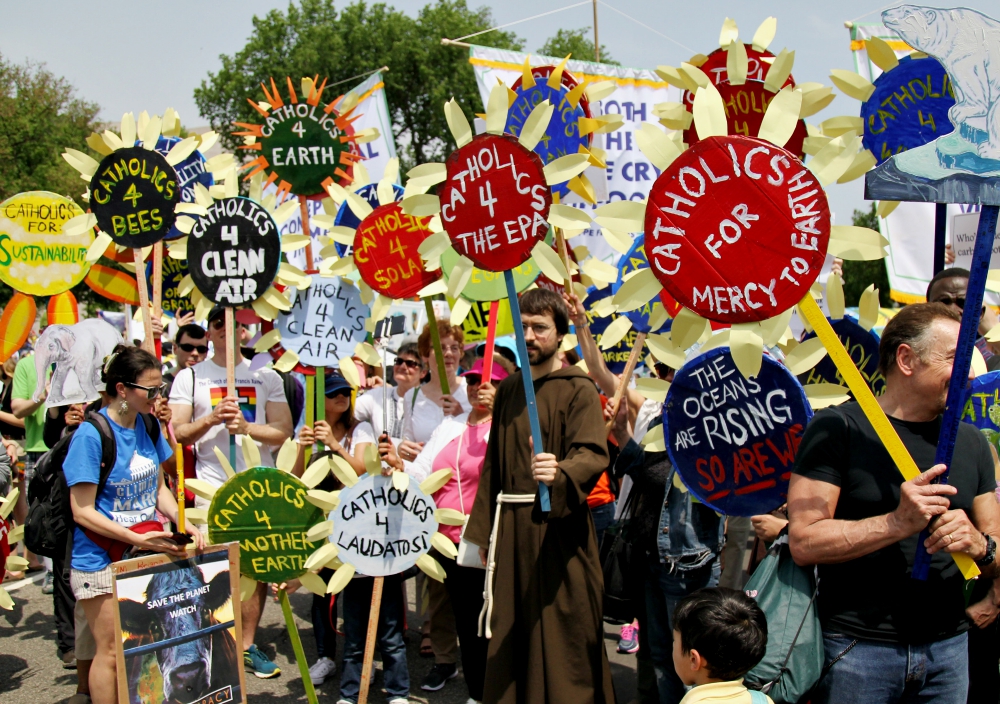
445 330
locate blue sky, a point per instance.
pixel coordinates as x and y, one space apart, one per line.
150 55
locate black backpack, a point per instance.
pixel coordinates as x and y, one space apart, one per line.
50 517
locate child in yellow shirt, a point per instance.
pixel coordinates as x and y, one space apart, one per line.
719 635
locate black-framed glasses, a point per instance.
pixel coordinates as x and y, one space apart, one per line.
188 347
473 379
151 391
408 363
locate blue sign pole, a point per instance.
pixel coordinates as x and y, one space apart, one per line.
963 361
529 383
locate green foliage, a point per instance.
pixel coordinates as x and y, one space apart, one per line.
312 38
576 42
40 115
860 275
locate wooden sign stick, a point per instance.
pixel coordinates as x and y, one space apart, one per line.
529 383
147 321
366 665
179 454
563 253
300 655
491 337
436 340
633 360
304 211
158 291
231 374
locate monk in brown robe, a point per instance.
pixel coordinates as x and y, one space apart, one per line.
547 643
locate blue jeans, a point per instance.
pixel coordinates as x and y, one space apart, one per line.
603 516
873 672
663 590
357 601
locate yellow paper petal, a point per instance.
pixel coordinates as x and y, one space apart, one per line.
656 145
9 502
340 579
457 123
286 455
350 371
652 388
198 516
568 217
781 117
324 554
676 78
868 308
856 243
267 340
287 362
400 481
444 545
496 109
460 310
736 63
773 328
313 582
425 176
863 162
881 54
596 269
729 34
433 289
449 517
780 69
251 455
98 247
224 462
325 500
746 348
885 207
665 351
247 587
637 291
687 328
316 472
421 205
79 225
565 167
431 568
460 275
15 535
316 534
764 35
815 100
709 113
835 296
622 216
852 84
615 332
201 488
618 241
654 440
435 481
600 90
842 124
824 395
16 563
549 262
805 356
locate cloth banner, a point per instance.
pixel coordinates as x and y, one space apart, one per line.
910 227
630 174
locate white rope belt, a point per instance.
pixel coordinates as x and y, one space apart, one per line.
487 613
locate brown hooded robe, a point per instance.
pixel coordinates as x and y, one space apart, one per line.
548 634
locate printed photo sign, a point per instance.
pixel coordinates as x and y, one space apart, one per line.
733 440
737 229
234 251
862 345
326 322
180 628
36 258
381 530
495 202
385 252
266 512
77 351
982 406
133 194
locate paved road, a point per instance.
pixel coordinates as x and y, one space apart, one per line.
31 673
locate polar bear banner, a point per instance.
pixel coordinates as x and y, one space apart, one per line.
963 166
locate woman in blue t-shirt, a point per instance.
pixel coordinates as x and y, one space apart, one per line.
105 522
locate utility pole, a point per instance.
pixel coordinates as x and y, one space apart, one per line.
597 44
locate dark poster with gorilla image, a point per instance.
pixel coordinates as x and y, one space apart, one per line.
179 622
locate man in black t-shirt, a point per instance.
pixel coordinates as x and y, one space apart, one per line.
888 636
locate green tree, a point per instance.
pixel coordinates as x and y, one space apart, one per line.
576 42
860 275
41 115
312 38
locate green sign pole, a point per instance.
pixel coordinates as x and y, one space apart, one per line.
436 339
300 656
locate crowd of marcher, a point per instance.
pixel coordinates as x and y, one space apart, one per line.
522 609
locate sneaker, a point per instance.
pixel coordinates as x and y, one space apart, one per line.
321 669
399 700
259 664
49 584
439 675
629 640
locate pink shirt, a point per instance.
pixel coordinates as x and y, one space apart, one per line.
469 450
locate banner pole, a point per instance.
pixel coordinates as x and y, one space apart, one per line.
366 666
940 225
147 321
529 383
491 337
633 360
300 655
231 374
436 340
158 291
968 332
310 412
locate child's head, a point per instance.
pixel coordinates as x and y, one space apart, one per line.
719 635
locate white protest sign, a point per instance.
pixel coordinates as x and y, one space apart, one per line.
963 240
326 322
380 530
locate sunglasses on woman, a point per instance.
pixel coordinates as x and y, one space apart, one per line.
408 363
473 380
188 347
151 391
